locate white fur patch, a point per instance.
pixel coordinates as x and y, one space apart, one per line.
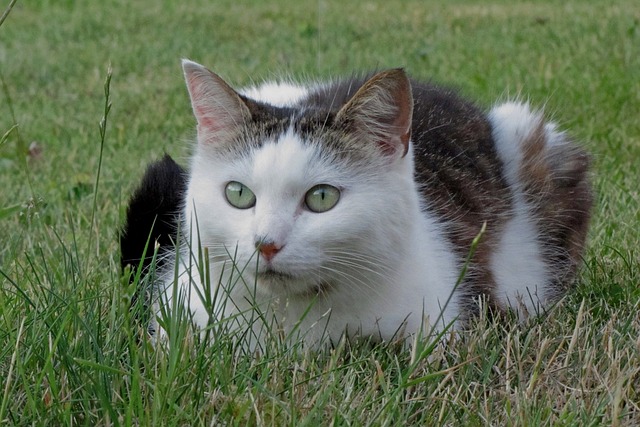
512 124
518 266
278 94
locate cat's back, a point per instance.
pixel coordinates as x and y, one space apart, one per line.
457 166
514 174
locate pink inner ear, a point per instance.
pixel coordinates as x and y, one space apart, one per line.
205 120
200 109
216 106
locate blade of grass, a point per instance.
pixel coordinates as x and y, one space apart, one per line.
4 16
103 133
7 386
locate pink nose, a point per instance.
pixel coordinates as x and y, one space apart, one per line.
269 250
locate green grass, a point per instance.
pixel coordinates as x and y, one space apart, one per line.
70 350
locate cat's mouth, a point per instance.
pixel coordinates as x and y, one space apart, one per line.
274 275
286 283
276 282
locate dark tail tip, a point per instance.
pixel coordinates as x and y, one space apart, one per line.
152 214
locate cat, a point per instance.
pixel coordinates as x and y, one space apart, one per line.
373 206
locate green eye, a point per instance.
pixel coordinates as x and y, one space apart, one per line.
321 198
239 196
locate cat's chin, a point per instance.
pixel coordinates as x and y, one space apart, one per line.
273 276
285 284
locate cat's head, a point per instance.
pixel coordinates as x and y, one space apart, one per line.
303 198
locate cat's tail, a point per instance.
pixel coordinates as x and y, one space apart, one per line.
549 176
153 215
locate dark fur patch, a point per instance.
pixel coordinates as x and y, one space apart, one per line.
152 213
461 179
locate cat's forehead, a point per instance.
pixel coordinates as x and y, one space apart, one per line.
289 159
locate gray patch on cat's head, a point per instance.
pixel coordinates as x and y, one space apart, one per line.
362 122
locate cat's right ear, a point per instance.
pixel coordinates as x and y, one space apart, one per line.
218 108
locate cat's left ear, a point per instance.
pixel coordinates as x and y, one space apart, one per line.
381 112
218 108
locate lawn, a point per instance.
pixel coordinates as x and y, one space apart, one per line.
71 351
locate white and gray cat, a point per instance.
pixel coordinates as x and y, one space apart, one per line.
350 208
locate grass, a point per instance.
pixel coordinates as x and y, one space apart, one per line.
70 349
